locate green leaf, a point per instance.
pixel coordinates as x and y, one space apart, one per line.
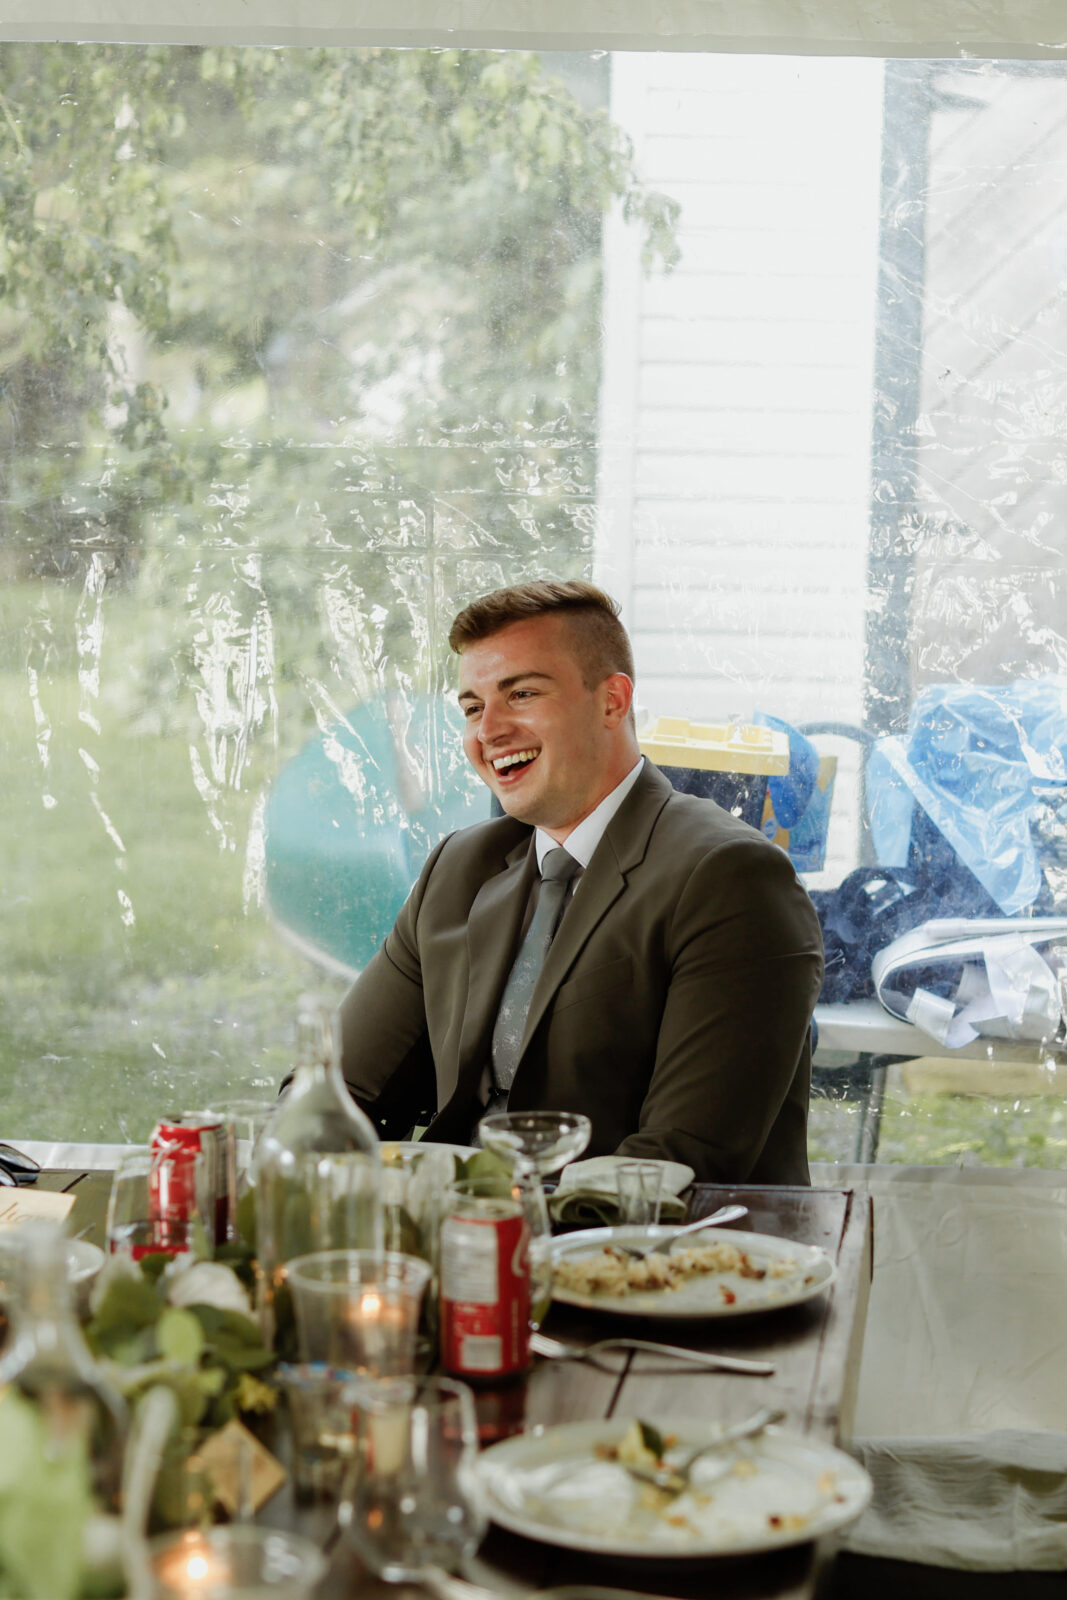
51 1491
652 1439
180 1336
154 1264
484 1164
214 1321
129 1305
233 1339
131 1349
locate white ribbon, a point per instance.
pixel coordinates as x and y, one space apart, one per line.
1006 990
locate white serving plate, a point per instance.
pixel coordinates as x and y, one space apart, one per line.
702 1296
550 1485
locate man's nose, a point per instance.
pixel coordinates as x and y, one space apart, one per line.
492 722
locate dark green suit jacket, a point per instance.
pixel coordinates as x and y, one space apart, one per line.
673 1009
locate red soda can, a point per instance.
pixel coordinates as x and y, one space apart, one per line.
188 1177
485 1287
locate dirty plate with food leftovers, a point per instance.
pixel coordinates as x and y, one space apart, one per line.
718 1273
568 1485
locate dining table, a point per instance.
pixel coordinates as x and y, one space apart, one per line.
814 1347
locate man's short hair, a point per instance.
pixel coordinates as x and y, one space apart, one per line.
601 644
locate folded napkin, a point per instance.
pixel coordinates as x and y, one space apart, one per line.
597 1208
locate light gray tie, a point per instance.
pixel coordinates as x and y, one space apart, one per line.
557 870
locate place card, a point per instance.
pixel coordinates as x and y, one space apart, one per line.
37 1205
242 1471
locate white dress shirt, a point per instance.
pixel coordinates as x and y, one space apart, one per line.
587 835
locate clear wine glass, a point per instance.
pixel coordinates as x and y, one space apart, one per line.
412 1505
524 1186
143 1218
541 1141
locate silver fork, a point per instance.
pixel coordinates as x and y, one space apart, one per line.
560 1350
674 1478
732 1213
448 1587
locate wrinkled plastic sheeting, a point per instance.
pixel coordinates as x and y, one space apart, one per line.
962 1409
223 771
228 747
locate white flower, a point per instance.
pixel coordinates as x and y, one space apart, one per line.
207 1283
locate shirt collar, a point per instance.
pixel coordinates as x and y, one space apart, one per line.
589 832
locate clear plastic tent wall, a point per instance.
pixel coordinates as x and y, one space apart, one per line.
301 349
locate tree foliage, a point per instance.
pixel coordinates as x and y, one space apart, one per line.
284 299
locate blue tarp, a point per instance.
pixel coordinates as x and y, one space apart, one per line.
978 760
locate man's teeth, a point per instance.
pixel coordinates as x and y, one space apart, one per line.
502 763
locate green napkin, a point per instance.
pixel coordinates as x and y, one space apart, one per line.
595 1208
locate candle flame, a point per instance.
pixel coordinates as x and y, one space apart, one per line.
197 1568
371 1304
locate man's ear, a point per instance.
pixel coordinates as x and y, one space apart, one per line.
618 691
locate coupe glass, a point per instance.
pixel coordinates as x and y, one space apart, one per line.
412 1507
541 1141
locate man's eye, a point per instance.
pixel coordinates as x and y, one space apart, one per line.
471 711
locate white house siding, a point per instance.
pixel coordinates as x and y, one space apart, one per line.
735 446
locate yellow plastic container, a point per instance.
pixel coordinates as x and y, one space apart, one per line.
716 747
727 762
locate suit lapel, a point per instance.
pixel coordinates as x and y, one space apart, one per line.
624 846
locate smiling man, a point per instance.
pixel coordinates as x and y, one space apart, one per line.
607 945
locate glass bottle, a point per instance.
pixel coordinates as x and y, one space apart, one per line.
48 1362
316 1170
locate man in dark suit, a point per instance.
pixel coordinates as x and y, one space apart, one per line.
674 1002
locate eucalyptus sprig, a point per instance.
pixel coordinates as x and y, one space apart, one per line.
187 1325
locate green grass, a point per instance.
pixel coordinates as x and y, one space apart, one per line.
139 972
946 1130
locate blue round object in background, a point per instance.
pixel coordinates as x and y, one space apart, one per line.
352 818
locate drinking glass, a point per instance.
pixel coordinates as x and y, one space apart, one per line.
412 1506
343 1190
244 1121
320 1421
638 1185
358 1310
413 1180
525 1187
143 1219
243 1562
542 1140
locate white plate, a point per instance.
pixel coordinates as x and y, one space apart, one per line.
703 1296
463 1151
550 1485
598 1173
84 1260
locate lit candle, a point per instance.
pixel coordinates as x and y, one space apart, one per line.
388 1431
191 1569
382 1333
